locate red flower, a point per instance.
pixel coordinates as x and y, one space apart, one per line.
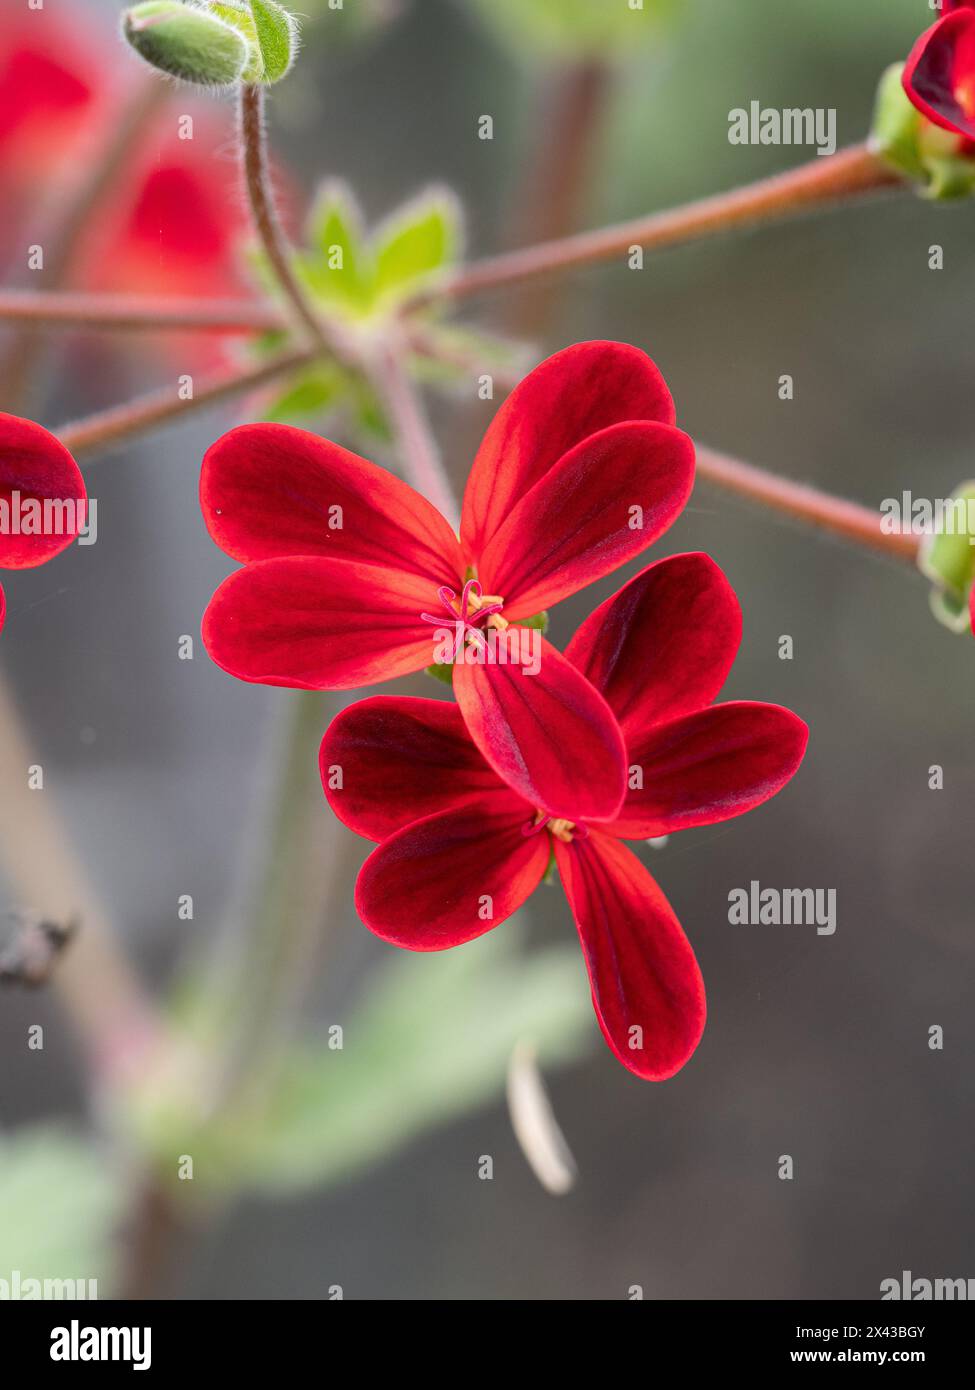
460 851
345 566
939 76
176 221
36 469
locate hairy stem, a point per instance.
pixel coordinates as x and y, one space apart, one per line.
267 224
139 313
850 520
821 183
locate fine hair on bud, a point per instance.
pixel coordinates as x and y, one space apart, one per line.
187 42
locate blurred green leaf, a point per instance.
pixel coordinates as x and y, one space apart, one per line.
422 238
314 394
431 1041
332 267
59 1202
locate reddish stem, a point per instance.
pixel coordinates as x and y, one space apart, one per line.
137 417
847 519
823 181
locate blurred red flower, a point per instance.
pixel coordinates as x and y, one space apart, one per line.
580 470
939 76
459 850
42 497
171 220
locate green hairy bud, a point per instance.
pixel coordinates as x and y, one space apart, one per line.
187 42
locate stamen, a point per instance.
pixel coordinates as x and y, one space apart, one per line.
564 830
469 611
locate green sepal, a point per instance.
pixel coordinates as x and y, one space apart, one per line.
442 672
277 38
539 621
238 15
186 42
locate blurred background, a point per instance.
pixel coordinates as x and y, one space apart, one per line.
816 1047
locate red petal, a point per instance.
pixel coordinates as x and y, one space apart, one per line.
402 759
570 396
271 490
599 506
710 766
39 468
646 985
318 624
549 735
939 76
451 877
663 644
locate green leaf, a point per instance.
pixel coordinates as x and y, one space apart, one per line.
420 239
190 44
277 37
59 1203
431 1041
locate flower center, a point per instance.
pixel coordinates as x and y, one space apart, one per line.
564 830
469 610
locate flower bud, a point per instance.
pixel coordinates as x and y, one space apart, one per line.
947 557
941 161
191 44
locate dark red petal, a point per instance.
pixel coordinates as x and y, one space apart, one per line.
549 735
447 879
578 392
401 759
271 490
663 644
38 468
598 507
710 766
939 76
646 985
318 624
